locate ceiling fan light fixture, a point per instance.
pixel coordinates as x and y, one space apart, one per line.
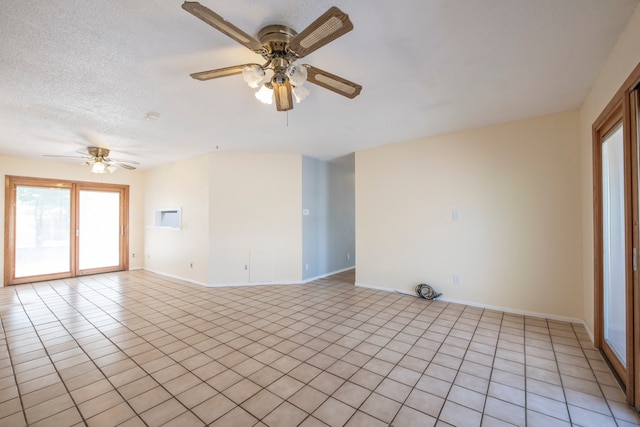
253 75
300 93
265 95
112 168
297 74
98 167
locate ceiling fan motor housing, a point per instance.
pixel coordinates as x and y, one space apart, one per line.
276 38
98 151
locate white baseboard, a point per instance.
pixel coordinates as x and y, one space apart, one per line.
173 276
226 285
288 282
589 332
489 307
382 288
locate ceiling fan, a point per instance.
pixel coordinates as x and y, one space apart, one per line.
99 160
280 46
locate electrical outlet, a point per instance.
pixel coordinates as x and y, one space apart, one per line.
133 255
246 267
348 256
457 280
306 266
190 265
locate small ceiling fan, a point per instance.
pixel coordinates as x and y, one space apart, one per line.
99 160
280 46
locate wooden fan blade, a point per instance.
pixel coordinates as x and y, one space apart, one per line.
332 82
122 165
328 27
111 159
219 72
69 157
284 101
219 23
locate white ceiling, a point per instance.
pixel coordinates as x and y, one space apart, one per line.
81 73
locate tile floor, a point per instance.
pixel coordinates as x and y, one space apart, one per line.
135 348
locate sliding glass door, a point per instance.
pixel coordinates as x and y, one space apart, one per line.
56 229
616 155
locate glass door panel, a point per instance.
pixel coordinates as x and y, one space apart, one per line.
616 215
98 229
42 231
613 221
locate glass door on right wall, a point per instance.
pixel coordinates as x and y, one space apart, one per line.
616 163
614 276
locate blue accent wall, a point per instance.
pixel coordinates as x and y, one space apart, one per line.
328 230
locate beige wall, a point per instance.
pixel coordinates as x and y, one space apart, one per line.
72 171
517 190
256 218
623 59
238 209
181 253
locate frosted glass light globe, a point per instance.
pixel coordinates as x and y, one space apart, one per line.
253 75
265 95
297 74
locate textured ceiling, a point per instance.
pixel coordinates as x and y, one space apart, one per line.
81 73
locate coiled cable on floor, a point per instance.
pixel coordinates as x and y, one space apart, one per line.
427 292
